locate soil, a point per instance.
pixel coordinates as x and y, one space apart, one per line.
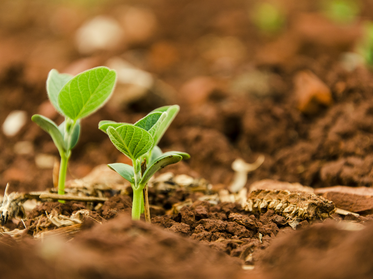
291 96
297 254
225 227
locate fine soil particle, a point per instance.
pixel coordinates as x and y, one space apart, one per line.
321 251
21 261
225 227
112 207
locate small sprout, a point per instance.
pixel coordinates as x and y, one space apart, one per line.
74 98
341 11
267 17
241 169
139 143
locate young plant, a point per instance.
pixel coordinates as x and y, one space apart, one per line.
341 11
268 18
74 98
365 45
139 143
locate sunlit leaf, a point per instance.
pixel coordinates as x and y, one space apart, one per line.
171 114
55 83
51 128
105 124
126 171
86 92
131 140
164 160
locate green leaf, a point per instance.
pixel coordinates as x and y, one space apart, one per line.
148 122
86 92
126 171
74 135
105 124
156 152
152 122
55 82
51 128
182 154
158 164
171 113
131 140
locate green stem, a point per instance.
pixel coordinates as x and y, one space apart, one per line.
142 201
63 171
136 204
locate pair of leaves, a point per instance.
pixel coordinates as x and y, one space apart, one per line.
140 138
75 98
79 96
162 161
58 133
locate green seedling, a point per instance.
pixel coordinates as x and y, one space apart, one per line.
139 143
74 98
267 17
341 11
365 45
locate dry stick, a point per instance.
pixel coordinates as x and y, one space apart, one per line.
145 195
146 205
71 198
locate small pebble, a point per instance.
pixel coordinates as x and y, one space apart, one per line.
139 24
14 122
24 148
100 33
44 161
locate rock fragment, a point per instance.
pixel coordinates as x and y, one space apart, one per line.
311 92
355 199
100 33
139 24
14 122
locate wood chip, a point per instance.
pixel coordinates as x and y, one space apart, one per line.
71 198
311 92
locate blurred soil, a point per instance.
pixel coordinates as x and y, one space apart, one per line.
292 96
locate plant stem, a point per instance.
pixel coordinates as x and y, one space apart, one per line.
136 204
62 175
142 202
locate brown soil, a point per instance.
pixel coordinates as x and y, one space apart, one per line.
243 93
117 249
225 227
321 251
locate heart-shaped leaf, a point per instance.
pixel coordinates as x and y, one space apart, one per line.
51 128
161 162
55 83
86 92
105 124
126 171
131 140
171 114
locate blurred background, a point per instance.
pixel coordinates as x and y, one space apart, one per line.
251 77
